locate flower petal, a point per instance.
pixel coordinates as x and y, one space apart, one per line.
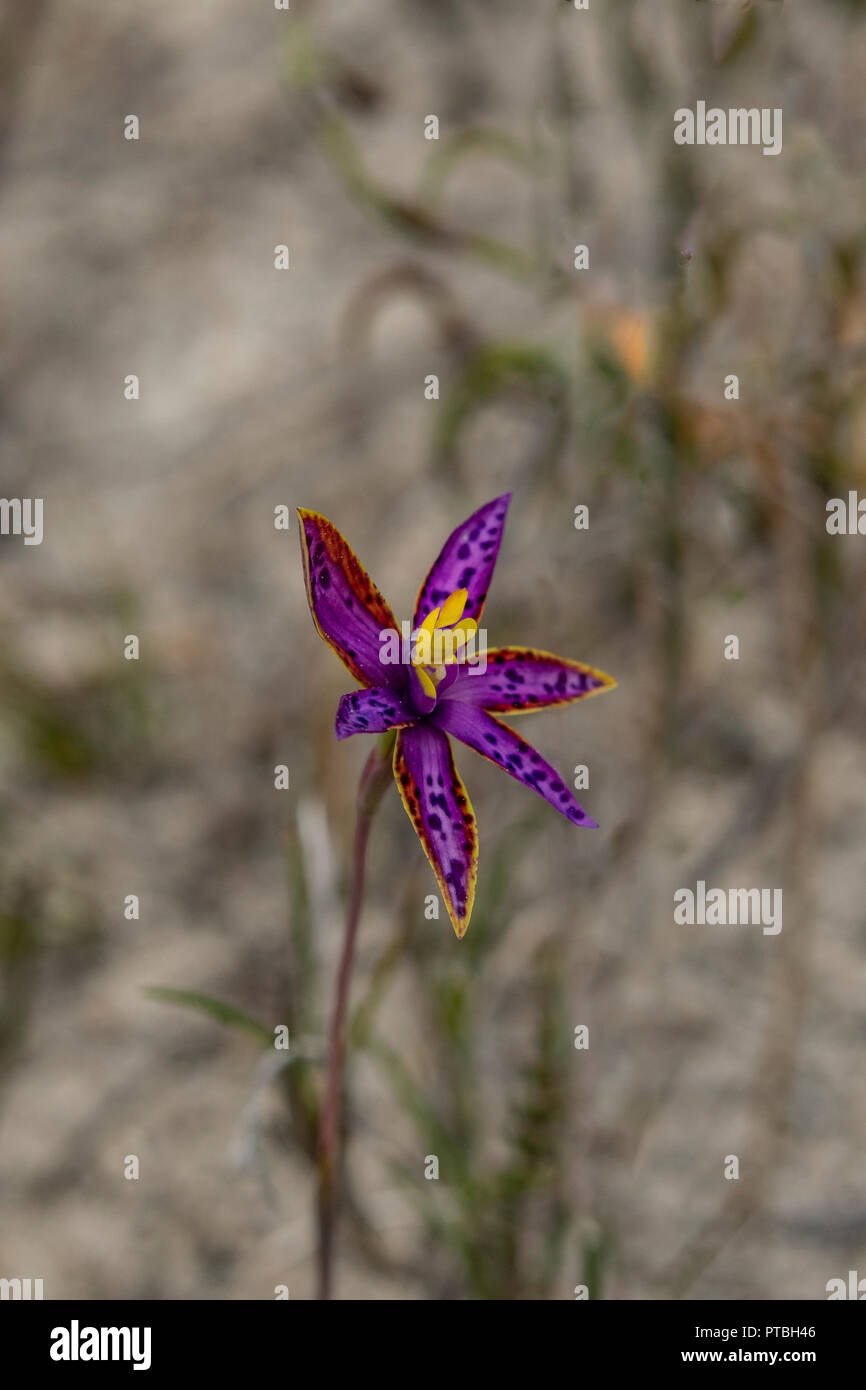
452 608
466 561
509 751
438 807
521 679
372 712
347 608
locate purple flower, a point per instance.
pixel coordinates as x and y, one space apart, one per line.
432 694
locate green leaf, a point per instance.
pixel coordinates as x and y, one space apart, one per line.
217 1009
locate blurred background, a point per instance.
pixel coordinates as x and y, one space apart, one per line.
260 388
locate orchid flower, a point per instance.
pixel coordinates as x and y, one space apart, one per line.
430 698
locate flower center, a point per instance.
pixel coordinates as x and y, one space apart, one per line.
443 641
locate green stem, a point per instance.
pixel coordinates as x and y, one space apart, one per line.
374 780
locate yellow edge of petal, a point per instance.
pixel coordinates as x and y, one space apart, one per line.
459 924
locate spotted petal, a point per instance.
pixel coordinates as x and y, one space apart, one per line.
347 608
438 807
509 751
372 712
519 679
466 561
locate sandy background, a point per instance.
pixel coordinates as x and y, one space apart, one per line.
261 388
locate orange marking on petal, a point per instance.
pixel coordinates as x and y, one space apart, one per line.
341 554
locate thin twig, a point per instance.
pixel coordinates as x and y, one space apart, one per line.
374 779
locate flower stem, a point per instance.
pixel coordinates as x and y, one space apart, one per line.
374 780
